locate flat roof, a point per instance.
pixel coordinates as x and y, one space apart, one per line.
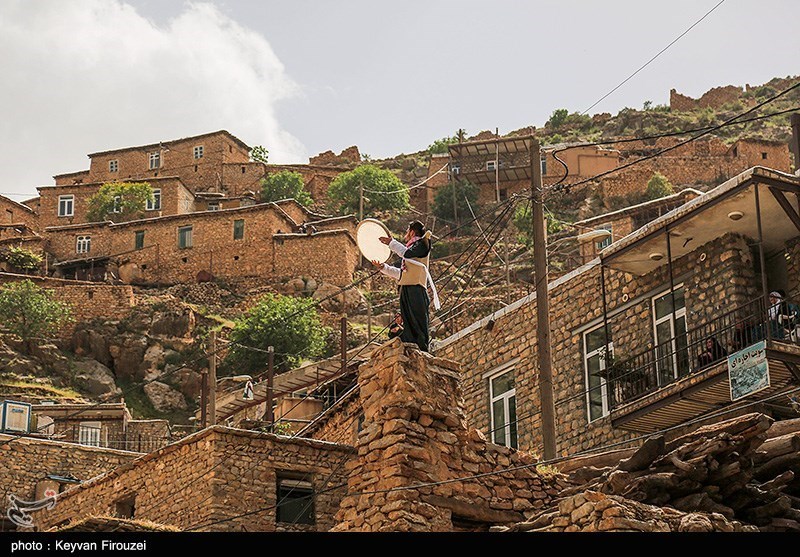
171 141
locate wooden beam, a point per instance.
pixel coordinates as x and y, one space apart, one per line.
786 206
472 511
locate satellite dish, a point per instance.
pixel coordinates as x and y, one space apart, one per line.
367 234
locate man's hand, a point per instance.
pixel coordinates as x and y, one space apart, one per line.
385 240
377 265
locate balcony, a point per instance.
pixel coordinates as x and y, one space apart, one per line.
687 376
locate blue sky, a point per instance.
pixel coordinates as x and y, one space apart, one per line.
301 77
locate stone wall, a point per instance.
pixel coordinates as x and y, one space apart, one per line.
26 461
87 300
177 159
348 157
12 212
175 200
713 98
328 256
415 433
216 474
341 423
724 278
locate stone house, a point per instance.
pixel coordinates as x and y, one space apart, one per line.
261 240
630 329
620 223
107 425
16 220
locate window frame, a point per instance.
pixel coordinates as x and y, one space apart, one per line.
609 348
96 437
491 165
138 239
198 152
113 165
672 318
288 482
83 244
70 199
154 159
506 396
214 206
190 243
608 240
155 204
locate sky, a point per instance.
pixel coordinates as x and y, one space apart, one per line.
301 77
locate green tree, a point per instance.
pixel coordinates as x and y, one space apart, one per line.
443 201
285 185
523 221
291 325
382 190
119 201
558 118
259 153
31 312
440 145
21 259
658 186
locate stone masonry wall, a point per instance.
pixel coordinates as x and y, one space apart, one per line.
329 256
87 300
343 423
713 98
213 475
15 213
25 461
724 279
415 433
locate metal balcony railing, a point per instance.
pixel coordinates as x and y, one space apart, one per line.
696 349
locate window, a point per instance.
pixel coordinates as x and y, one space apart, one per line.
595 362
9 216
117 207
66 205
491 165
83 244
605 242
735 151
455 167
669 323
184 237
113 166
155 160
198 152
764 156
238 229
213 205
155 203
503 404
139 239
544 167
89 434
295 499
125 507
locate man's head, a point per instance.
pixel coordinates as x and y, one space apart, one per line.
775 297
415 228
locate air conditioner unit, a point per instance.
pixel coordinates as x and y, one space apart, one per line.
16 417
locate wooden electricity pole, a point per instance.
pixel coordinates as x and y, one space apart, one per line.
270 416
796 141
204 401
212 379
543 348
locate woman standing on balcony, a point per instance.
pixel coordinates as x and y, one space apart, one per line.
413 277
713 352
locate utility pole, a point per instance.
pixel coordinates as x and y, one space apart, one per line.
212 379
344 342
453 183
360 201
543 348
204 401
270 416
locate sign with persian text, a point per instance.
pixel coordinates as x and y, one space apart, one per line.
748 370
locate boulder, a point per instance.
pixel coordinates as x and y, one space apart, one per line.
52 360
164 398
190 382
95 378
128 357
94 343
173 324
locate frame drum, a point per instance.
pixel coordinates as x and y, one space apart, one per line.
367 234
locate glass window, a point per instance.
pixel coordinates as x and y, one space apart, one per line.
184 237
83 244
605 242
89 434
672 358
595 362
295 504
139 242
238 229
155 160
213 206
113 166
66 205
154 204
491 165
198 152
503 400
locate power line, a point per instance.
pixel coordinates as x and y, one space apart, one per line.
660 52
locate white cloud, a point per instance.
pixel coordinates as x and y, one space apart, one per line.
92 75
